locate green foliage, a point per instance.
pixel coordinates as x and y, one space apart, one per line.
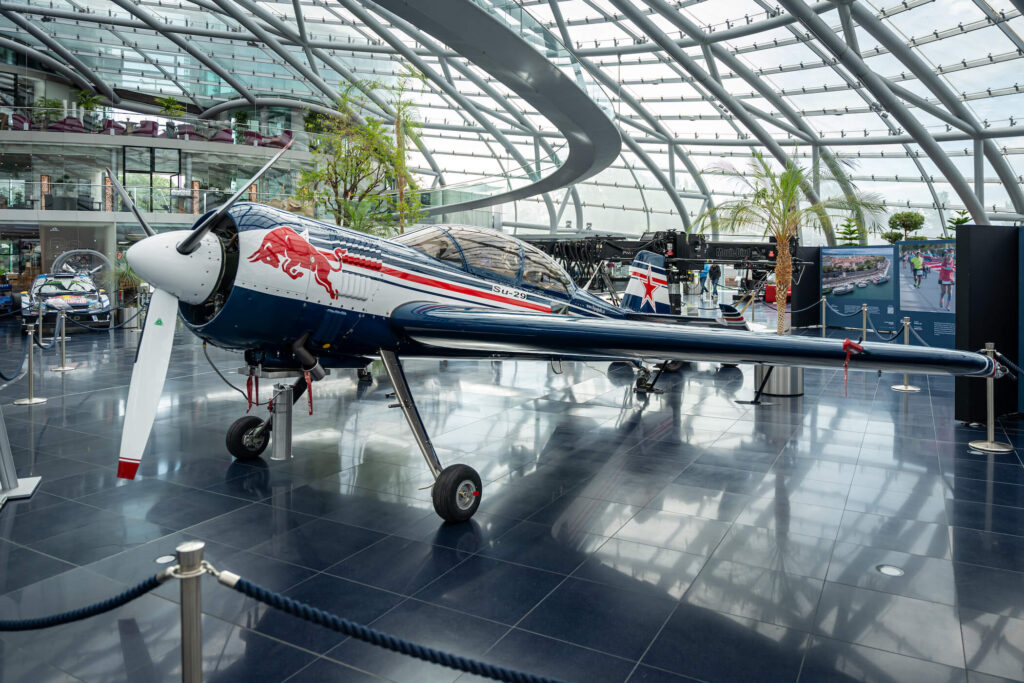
241 125
906 222
123 277
849 234
774 203
87 100
48 110
358 174
891 236
917 237
170 106
961 218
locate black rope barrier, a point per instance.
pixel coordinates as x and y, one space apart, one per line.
110 327
10 312
799 310
839 313
1008 363
24 355
58 329
379 638
914 332
85 612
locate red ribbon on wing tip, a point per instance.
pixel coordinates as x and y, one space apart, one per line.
849 347
126 469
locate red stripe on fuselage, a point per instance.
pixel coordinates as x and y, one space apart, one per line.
459 289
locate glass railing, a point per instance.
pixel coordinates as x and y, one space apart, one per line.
39 196
115 122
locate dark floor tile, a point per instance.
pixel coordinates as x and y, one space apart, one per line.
318 544
785 516
397 564
648 674
553 548
579 513
353 601
491 589
834 661
28 525
997 518
992 644
925 578
895 533
424 624
726 479
924 505
976 677
986 589
613 620
776 550
1008 473
639 566
742 590
990 493
1001 551
250 525
688 534
905 626
543 656
699 502
706 645
325 671
20 566
99 539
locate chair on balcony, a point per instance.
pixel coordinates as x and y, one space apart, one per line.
111 127
22 122
223 135
278 140
252 138
147 129
69 124
187 131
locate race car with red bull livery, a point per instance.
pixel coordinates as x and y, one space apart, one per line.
74 293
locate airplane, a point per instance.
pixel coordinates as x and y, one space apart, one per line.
298 294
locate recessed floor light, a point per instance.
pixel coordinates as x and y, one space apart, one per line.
889 570
165 559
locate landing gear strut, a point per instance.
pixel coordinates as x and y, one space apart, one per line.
248 436
457 488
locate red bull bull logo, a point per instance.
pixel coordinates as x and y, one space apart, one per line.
286 249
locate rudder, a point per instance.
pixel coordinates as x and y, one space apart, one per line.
647 291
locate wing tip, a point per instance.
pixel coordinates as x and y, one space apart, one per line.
126 469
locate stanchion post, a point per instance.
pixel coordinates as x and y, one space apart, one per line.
990 445
63 367
906 386
864 322
32 399
281 434
190 572
824 327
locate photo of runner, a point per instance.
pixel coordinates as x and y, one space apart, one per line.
930 278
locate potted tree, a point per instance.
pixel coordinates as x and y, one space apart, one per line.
906 222
171 108
774 203
47 111
88 102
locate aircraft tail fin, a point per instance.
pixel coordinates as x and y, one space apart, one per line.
733 317
647 291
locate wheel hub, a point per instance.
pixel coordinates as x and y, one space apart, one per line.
466 494
251 440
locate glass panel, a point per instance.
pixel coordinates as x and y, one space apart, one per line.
137 159
541 271
488 253
435 243
166 161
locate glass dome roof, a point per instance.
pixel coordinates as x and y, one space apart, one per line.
919 96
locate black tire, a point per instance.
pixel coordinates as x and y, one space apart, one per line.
236 438
456 493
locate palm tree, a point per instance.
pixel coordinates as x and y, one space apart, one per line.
405 126
774 204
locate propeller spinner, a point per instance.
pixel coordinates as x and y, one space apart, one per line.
183 265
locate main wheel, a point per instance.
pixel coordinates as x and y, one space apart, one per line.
242 443
456 493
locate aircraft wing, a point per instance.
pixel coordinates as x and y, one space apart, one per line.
493 331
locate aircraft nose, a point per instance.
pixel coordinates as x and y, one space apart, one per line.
190 277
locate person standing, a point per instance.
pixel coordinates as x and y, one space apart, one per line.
917 265
946 270
715 272
704 279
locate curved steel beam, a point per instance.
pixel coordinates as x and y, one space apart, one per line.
885 36
152 22
593 139
880 89
65 54
714 87
49 61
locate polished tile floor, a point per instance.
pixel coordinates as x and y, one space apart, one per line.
679 537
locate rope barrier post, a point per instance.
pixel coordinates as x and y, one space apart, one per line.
906 387
191 571
824 327
864 322
12 488
30 330
63 367
990 445
281 434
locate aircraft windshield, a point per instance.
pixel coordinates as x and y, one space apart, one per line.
435 243
543 272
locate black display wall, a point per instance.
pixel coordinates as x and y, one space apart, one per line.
987 295
807 290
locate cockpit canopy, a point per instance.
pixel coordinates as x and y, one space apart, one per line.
489 253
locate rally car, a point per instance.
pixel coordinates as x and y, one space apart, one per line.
74 293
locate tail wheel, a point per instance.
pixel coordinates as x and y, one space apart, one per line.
456 493
242 442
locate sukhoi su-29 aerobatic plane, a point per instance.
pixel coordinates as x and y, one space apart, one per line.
295 293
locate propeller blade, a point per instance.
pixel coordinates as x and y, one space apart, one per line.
127 199
191 243
148 377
